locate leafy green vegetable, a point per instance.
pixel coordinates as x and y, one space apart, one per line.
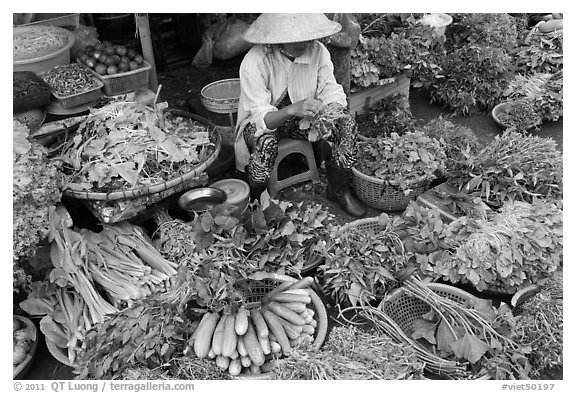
37 186
390 114
514 167
401 160
126 144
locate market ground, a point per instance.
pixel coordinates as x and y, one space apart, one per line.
181 89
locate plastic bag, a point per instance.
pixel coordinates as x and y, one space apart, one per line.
85 35
222 41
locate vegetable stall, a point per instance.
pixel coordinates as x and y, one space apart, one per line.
456 273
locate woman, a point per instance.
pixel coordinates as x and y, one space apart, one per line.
288 90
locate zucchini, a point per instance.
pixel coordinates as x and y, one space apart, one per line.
204 335
550 26
229 336
286 313
241 324
275 327
253 347
259 323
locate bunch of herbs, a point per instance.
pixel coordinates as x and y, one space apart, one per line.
545 91
541 321
514 167
459 143
362 266
541 53
520 245
391 114
147 334
401 160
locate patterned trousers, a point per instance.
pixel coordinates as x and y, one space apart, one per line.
264 149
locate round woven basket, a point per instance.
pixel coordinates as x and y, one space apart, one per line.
221 96
22 369
258 286
382 195
158 187
405 309
32 118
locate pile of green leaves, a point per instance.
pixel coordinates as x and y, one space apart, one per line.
37 186
274 236
541 318
514 167
459 143
149 334
520 114
520 245
351 354
401 160
478 64
390 114
362 266
542 53
127 144
473 78
544 91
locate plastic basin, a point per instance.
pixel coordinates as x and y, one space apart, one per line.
48 61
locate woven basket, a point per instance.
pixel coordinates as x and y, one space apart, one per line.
221 96
32 118
258 286
381 195
125 82
405 309
159 187
22 369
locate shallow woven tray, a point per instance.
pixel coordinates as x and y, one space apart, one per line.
221 96
159 187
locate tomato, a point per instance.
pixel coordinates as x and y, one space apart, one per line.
139 59
102 58
101 69
121 50
109 61
124 66
89 48
99 47
97 54
131 53
109 50
112 70
124 59
108 44
133 65
83 57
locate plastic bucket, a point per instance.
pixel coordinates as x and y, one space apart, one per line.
46 62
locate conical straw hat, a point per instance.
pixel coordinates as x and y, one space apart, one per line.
287 28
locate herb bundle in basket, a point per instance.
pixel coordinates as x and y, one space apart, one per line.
128 144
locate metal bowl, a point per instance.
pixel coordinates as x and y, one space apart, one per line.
199 200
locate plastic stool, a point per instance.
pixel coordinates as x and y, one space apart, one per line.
286 147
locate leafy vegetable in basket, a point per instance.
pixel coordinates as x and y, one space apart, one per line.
542 53
126 144
391 114
362 266
37 186
476 333
519 114
514 167
401 160
544 90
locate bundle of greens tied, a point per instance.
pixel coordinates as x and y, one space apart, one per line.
124 145
94 275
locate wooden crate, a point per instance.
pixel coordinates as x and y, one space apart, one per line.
361 101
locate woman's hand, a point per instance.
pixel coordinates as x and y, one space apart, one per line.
308 107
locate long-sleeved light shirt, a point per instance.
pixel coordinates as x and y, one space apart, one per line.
265 75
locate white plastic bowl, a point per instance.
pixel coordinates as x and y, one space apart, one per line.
45 62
